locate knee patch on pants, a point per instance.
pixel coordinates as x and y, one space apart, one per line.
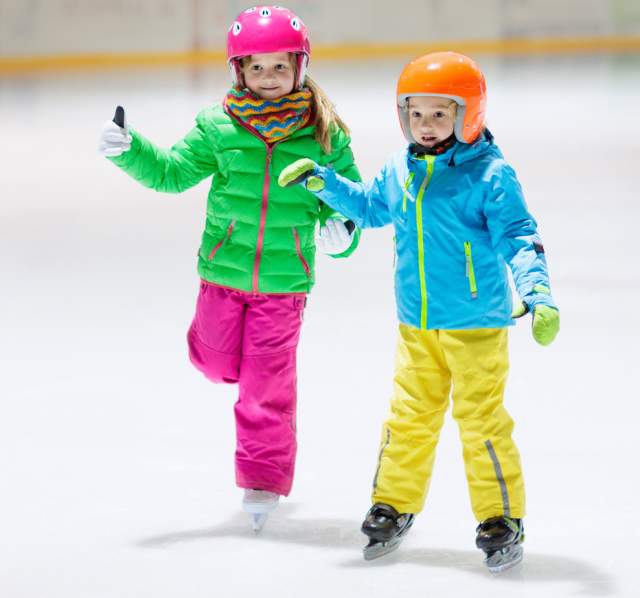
216 366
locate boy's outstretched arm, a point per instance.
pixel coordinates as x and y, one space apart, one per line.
170 170
363 203
514 234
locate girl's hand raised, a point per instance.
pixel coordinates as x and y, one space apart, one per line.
115 138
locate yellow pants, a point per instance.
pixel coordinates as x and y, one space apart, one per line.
428 363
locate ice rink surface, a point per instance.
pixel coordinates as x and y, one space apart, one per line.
117 456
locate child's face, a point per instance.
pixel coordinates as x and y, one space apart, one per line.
431 119
269 75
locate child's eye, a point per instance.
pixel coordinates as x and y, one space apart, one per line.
438 114
256 67
281 67
415 114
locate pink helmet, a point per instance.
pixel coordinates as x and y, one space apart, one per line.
266 29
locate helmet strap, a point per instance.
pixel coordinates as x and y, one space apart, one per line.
301 69
236 73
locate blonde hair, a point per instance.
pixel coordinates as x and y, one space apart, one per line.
323 113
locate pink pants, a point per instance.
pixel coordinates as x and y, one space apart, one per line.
252 339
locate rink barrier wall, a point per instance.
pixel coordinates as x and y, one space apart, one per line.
25 64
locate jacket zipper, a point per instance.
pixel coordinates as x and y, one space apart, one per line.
304 263
265 201
223 240
469 269
263 218
430 160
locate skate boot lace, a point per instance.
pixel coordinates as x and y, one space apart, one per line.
503 521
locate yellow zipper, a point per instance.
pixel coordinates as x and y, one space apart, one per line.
430 160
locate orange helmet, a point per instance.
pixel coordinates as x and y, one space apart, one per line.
448 75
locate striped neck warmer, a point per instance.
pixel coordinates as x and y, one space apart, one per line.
271 119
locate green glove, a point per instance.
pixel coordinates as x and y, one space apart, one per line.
301 171
546 323
520 310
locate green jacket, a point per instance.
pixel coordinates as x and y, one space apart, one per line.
258 236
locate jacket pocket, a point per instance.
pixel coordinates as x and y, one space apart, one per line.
305 265
222 241
469 271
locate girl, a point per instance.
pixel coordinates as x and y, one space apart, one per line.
459 215
256 258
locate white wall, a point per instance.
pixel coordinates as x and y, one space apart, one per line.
51 27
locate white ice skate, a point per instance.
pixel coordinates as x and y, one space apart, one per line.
259 503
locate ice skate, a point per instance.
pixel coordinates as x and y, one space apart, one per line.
385 528
501 538
259 503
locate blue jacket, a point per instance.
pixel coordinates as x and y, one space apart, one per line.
458 218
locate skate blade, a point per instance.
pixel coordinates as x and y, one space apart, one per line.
256 508
258 520
505 559
375 550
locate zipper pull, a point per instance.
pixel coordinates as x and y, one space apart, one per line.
269 155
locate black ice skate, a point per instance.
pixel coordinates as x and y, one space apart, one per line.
501 540
385 528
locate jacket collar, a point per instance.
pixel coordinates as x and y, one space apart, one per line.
459 153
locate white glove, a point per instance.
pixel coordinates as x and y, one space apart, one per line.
114 139
334 237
